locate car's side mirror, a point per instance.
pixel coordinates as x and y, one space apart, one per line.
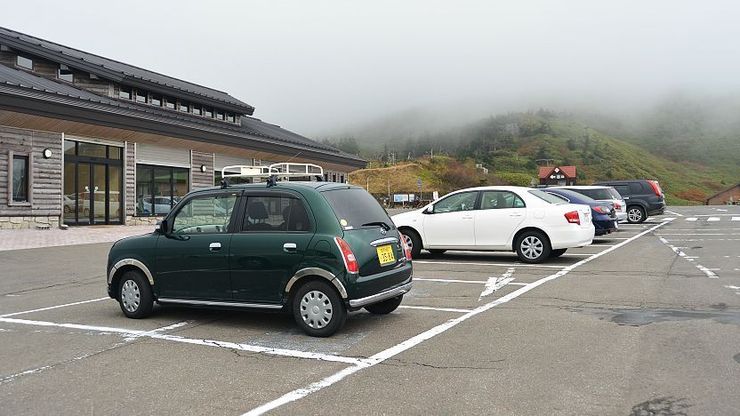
428 210
162 226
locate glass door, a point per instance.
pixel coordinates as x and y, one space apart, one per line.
99 190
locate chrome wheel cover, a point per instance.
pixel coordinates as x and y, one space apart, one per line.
408 240
531 247
634 215
316 309
130 296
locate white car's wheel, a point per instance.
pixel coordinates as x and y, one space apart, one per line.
533 247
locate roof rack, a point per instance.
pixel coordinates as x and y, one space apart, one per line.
275 171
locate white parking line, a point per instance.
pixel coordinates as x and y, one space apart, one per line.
680 253
416 340
735 219
53 307
430 308
423 279
487 264
713 219
674 213
132 333
692 219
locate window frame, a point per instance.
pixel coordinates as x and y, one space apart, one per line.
282 194
29 183
66 68
230 229
480 205
476 204
150 180
18 57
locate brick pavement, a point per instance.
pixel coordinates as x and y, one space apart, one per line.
23 239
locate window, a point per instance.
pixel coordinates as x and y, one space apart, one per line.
208 112
500 200
159 188
623 189
170 103
184 107
595 193
91 150
464 201
275 213
354 207
547 197
207 214
220 115
24 62
230 118
197 110
141 96
20 178
636 188
124 93
65 74
155 100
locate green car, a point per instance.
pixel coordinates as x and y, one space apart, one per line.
315 249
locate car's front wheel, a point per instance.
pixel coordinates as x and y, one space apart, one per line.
533 247
636 215
135 295
385 307
318 309
413 241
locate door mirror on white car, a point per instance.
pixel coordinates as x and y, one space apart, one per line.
428 210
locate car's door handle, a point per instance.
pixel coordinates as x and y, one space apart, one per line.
290 247
467 218
515 215
626 197
214 246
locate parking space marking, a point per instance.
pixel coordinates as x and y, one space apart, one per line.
735 219
680 253
53 307
495 283
423 279
426 335
133 333
713 219
470 263
430 308
674 213
692 219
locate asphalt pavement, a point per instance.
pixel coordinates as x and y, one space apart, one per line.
644 321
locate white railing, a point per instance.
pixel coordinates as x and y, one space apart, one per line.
280 170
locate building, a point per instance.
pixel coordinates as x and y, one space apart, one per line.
728 196
557 175
89 140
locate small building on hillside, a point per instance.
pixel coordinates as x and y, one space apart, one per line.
557 175
728 196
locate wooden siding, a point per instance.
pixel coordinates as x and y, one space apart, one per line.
129 179
46 174
200 179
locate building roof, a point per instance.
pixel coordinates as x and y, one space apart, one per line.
546 171
37 95
121 72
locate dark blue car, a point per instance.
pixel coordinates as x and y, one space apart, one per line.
603 213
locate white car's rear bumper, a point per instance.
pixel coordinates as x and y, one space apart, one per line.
573 236
621 216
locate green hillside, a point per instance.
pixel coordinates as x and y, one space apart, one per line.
510 145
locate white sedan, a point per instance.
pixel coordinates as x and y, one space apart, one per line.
533 223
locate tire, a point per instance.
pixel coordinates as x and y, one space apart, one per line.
437 251
135 295
318 310
414 240
533 247
636 214
385 307
557 253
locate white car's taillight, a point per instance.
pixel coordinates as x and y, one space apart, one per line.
350 262
573 217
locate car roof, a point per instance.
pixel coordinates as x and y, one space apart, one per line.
583 187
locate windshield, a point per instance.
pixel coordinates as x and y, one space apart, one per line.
599 193
552 199
355 207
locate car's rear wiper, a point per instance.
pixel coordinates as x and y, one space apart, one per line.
379 223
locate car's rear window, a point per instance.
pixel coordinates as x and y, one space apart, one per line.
614 193
598 194
355 207
552 199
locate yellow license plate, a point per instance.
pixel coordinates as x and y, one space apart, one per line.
385 255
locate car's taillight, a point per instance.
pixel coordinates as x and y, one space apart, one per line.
406 248
601 210
617 206
573 217
350 262
656 188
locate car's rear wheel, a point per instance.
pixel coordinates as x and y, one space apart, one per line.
636 215
437 252
318 309
135 295
413 241
557 253
385 307
533 247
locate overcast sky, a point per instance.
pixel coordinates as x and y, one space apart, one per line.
317 67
